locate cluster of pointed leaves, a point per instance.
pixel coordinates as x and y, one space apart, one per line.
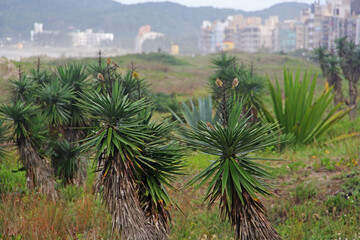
248 85
301 116
25 121
125 129
106 75
193 116
3 139
235 173
66 159
75 77
329 62
48 101
29 135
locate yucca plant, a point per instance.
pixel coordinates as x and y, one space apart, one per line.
22 89
39 76
106 75
334 78
29 134
222 82
54 99
235 177
234 79
161 163
75 77
300 115
250 89
132 180
68 162
3 140
320 55
349 54
329 67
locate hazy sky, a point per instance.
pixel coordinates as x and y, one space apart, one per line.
247 5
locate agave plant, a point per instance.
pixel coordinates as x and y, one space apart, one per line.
29 134
235 178
301 115
132 180
193 116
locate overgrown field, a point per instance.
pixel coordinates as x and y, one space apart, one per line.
316 187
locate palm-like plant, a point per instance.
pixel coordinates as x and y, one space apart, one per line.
29 133
250 89
349 54
3 139
68 163
320 55
329 67
74 76
54 99
334 79
22 89
235 178
221 83
125 148
40 77
161 163
232 79
354 62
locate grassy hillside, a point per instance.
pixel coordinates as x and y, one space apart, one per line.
316 186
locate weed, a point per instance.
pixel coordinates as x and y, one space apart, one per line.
304 192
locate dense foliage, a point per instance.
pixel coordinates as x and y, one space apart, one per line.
235 178
302 118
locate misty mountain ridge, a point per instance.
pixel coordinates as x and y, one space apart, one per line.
179 23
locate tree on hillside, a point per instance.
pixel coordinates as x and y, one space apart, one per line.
29 135
238 80
334 77
234 177
3 140
134 155
330 70
349 55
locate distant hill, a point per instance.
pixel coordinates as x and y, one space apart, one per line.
180 23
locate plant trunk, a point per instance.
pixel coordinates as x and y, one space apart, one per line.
335 82
250 220
122 201
353 92
39 174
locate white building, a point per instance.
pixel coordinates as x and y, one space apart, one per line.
144 34
90 39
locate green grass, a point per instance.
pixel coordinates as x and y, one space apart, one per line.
312 189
